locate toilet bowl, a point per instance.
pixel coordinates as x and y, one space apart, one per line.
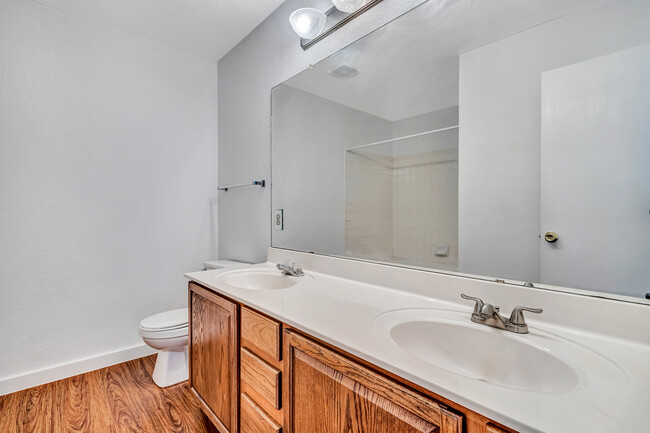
168 333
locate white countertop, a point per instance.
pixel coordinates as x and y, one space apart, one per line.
343 312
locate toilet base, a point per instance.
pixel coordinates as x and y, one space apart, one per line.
172 367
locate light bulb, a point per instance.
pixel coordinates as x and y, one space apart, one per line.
348 6
308 22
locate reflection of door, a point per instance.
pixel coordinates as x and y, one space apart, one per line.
596 173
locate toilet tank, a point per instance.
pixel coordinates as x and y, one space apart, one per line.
223 264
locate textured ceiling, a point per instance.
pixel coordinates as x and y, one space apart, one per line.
411 65
208 28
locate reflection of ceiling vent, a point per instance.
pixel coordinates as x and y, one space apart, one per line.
344 72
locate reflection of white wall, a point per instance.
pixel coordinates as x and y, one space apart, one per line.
439 120
500 118
426 122
310 135
596 173
432 121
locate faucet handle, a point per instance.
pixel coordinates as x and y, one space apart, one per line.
517 315
479 303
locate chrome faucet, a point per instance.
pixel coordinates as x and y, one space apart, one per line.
487 314
294 269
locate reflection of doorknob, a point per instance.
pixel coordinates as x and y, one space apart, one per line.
551 237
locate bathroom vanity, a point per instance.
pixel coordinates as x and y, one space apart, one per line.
375 348
282 379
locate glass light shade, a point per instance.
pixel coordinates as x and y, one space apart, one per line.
348 6
308 22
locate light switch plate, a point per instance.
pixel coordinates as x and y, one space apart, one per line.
278 219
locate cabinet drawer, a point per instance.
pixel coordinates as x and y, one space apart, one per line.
261 334
254 419
262 377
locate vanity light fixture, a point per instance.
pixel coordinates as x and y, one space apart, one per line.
348 6
308 22
313 25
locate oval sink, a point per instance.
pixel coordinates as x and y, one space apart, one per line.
262 279
530 362
485 355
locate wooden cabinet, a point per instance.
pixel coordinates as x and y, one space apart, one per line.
325 391
214 356
273 379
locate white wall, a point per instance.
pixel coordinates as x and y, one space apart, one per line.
107 166
268 56
500 114
316 132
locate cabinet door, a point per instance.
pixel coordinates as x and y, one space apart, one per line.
327 392
214 356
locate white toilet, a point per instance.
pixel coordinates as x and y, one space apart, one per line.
168 333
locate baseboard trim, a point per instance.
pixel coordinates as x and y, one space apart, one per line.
80 366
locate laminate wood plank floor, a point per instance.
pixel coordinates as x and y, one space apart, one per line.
117 399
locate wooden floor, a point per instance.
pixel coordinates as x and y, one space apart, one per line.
121 398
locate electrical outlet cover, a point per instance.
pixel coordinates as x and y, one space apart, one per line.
278 219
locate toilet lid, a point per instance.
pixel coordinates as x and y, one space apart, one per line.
168 320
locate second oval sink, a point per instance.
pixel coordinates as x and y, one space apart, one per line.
259 279
529 362
485 355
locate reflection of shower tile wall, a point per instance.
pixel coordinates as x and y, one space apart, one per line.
401 209
425 208
368 206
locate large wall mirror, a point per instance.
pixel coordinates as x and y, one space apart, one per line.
501 139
